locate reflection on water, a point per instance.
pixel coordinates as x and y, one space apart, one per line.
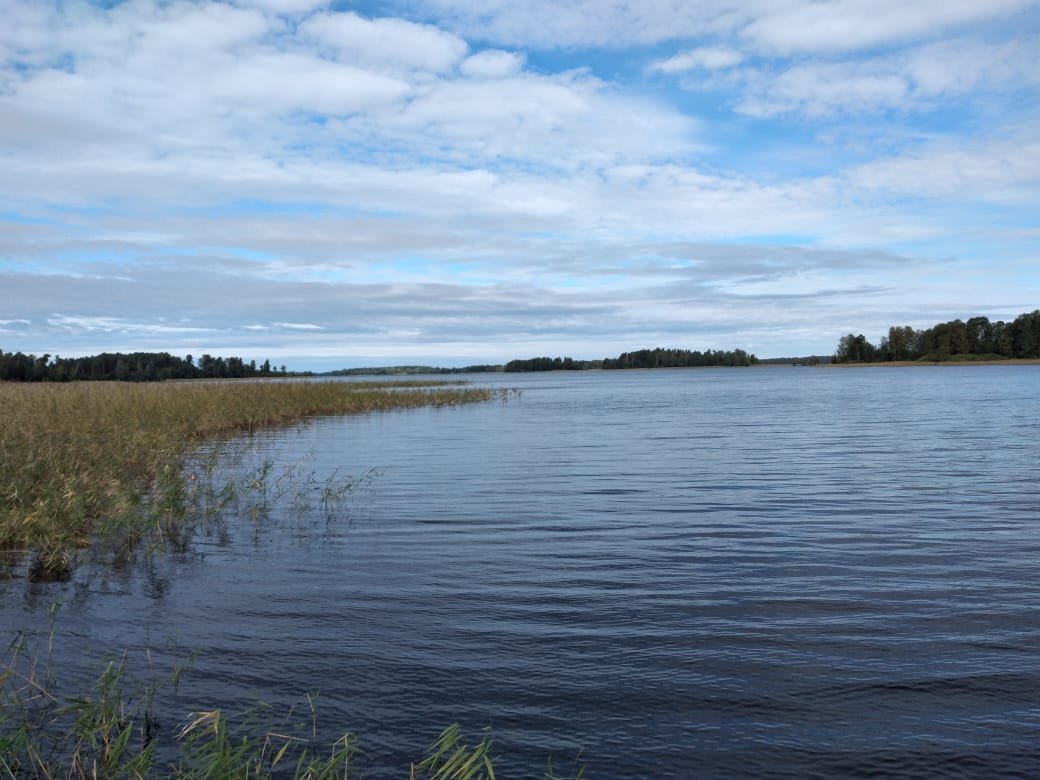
768 571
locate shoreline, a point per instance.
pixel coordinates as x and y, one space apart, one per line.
911 363
100 464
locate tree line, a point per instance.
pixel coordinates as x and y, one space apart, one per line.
414 370
978 339
643 358
551 364
132 367
680 358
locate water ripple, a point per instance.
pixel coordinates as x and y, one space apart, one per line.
786 573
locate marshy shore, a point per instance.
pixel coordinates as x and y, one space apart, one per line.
85 460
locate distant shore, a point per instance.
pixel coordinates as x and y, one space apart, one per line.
906 363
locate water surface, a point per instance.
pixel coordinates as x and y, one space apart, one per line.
776 571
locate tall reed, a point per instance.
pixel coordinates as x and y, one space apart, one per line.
80 460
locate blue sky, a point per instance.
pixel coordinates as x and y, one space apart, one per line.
459 181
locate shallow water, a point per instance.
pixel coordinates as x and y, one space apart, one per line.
777 571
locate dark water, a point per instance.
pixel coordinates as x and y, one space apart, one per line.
782 572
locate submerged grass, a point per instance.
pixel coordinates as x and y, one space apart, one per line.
83 461
103 462
111 731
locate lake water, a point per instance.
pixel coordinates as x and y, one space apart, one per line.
775 571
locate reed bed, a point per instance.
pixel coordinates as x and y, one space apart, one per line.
80 461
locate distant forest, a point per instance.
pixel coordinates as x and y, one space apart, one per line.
133 367
680 358
551 364
976 339
413 370
644 358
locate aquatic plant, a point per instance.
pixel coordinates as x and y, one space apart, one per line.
449 758
111 731
103 463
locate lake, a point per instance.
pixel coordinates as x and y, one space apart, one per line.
714 572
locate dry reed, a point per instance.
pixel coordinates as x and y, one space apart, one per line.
82 459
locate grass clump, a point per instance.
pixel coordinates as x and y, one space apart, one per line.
83 461
110 731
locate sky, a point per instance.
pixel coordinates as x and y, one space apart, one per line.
449 182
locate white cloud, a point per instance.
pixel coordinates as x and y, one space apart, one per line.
169 30
285 7
912 80
25 35
823 89
706 58
587 22
1000 171
785 26
844 25
292 82
492 64
81 324
385 43
960 65
242 105
565 121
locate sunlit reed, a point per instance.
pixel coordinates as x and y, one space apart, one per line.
83 460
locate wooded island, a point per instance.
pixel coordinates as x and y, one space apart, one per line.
976 339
